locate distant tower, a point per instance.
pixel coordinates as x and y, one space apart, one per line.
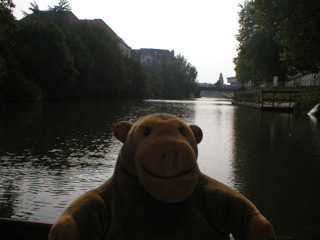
220 81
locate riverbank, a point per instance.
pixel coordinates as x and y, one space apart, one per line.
303 98
307 97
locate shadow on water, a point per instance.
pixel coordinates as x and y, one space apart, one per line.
51 153
43 145
277 164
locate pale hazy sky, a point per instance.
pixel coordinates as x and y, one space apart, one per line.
203 31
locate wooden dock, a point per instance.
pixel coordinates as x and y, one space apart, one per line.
281 101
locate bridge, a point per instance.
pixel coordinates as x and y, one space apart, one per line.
214 87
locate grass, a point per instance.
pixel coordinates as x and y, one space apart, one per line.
306 98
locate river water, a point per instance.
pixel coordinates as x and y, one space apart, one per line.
50 153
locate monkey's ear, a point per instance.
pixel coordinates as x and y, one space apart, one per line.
197 132
121 130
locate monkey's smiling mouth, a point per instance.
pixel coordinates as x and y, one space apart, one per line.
168 177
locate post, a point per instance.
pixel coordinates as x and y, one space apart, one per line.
290 100
273 100
262 97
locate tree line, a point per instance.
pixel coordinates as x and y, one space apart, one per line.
277 38
48 59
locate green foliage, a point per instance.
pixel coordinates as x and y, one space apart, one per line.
137 85
13 84
307 97
34 8
277 38
62 6
103 72
296 28
59 14
45 58
258 54
154 82
8 27
100 71
174 78
17 88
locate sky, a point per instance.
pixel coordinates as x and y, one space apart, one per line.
203 31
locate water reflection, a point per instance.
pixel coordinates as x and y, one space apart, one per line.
215 151
276 155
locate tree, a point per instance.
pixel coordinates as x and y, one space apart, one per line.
137 79
14 86
179 78
243 70
258 53
34 8
220 81
45 59
173 78
103 72
296 24
8 27
62 6
83 62
277 38
6 8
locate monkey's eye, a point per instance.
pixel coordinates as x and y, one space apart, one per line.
147 132
181 130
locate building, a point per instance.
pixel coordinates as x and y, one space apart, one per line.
152 56
61 17
232 81
67 17
310 79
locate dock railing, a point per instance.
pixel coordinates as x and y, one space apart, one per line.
270 100
245 98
